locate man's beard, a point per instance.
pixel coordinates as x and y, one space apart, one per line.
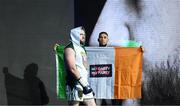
161 81
82 43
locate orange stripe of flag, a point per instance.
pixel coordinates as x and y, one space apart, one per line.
128 73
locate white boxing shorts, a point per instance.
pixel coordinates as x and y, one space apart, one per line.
76 93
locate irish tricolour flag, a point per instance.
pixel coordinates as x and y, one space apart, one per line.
114 72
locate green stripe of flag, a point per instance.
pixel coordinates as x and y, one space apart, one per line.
130 43
60 71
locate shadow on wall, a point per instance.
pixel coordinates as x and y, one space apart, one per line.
29 90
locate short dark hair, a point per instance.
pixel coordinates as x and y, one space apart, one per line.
103 33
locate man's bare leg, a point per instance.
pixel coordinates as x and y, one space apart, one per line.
90 102
73 103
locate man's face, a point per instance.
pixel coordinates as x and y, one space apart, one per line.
103 40
82 37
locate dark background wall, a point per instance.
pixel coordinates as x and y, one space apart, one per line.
87 13
28 31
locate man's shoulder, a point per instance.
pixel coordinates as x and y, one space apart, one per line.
69 45
69 49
